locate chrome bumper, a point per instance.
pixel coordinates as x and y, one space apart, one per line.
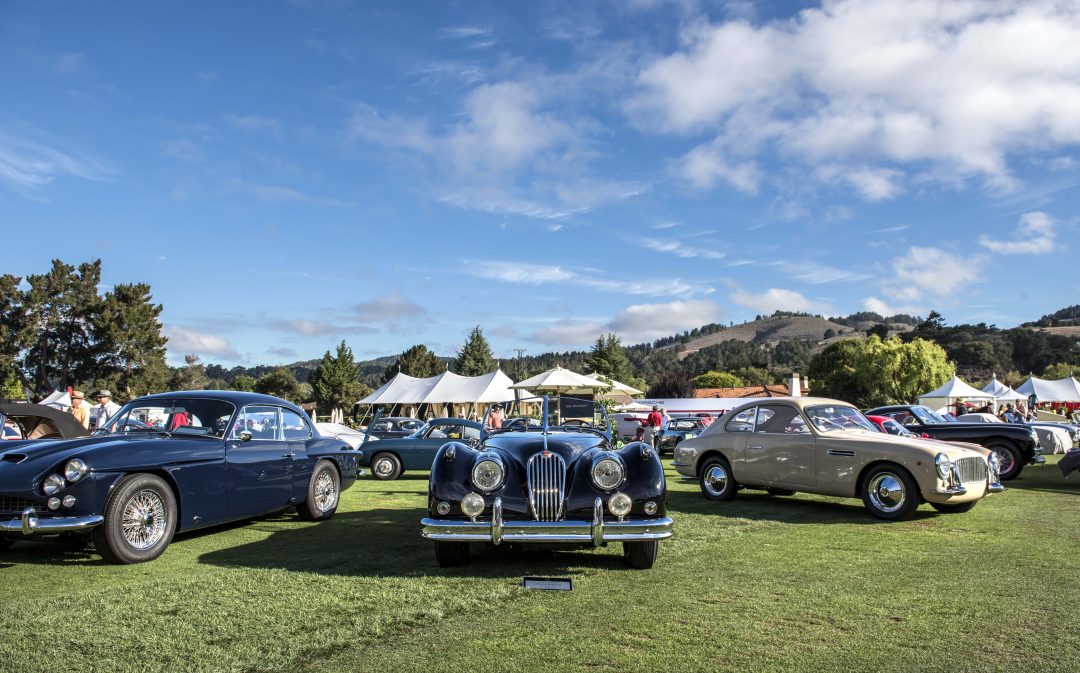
595 532
1037 459
29 523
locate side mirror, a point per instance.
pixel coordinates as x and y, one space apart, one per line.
245 436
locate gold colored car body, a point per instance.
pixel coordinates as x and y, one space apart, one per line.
810 453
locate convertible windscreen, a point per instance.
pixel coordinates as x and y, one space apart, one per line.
183 416
834 418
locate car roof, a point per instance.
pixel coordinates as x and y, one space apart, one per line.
237 397
800 402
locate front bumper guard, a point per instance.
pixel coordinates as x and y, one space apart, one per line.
29 523
596 532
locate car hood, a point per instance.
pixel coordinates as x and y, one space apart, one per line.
28 459
523 445
925 445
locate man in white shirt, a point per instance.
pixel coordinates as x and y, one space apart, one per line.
103 410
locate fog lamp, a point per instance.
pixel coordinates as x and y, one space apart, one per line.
472 505
619 504
54 503
443 508
69 501
650 508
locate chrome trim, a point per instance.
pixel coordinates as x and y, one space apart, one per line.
972 469
494 458
573 531
29 523
546 478
958 490
1038 459
496 522
995 487
597 522
886 491
846 453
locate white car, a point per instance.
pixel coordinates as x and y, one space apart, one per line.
350 436
1052 439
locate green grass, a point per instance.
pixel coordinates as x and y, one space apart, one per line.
758 584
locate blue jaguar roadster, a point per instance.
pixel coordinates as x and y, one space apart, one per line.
172 462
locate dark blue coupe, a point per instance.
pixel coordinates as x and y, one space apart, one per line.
172 462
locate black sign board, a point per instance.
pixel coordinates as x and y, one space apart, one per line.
572 407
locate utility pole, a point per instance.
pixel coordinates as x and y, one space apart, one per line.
520 352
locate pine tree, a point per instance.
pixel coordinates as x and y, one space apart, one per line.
281 382
129 343
335 381
14 332
475 358
243 382
192 376
417 361
609 359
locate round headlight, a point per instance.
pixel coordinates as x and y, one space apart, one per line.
607 473
54 503
52 484
69 501
944 465
74 470
619 504
488 474
472 505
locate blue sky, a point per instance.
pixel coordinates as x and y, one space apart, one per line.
288 174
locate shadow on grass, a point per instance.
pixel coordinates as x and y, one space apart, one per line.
1046 478
797 509
387 543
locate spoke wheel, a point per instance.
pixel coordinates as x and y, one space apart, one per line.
140 519
323 493
1011 464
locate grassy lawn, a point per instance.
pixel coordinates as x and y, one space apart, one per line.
759 584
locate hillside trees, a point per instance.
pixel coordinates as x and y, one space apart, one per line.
475 358
281 382
417 361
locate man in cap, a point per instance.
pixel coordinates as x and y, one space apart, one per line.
78 409
103 410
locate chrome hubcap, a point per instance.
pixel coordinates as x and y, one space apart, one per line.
384 467
325 491
887 492
715 480
144 520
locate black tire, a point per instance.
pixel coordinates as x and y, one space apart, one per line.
954 509
1012 462
716 480
451 554
5 543
385 466
890 493
779 491
144 495
323 493
641 555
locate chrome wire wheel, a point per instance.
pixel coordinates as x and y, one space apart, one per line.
1007 460
326 491
886 491
715 480
144 520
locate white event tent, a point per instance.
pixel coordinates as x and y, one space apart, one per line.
1002 393
1062 390
448 394
954 389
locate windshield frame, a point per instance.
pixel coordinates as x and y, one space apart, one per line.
866 423
167 402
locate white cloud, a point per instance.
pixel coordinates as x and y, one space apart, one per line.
538 274
392 306
886 309
931 274
280 193
183 340
29 166
318 327
634 324
183 149
679 249
817 274
1035 235
875 85
778 299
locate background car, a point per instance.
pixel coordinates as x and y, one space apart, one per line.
350 436
37 421
560 485
676 431
389 458
1053 438
392 427
891 427
134 483
826 446
1015 446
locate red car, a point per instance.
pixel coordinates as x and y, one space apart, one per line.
891 427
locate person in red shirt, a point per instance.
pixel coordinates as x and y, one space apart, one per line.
652 424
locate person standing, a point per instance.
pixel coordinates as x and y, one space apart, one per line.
103 410
79 410
652 424
495 417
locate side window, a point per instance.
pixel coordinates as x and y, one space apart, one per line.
742 422
296 427
471 433
780 420
411 426
262 422
453 431
437 432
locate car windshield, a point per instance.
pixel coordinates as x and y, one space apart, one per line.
893 428
928 416
564 414
188 416
835 417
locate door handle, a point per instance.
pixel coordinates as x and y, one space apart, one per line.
755 448
290 454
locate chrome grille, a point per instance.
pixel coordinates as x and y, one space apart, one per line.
10 506
972 469
547 485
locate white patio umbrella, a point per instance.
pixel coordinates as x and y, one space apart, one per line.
559 380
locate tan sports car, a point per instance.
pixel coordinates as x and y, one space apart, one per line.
818 445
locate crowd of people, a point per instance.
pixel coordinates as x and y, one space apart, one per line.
94 416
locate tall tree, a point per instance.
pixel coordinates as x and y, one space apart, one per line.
61 306
874 372
129 342
14 331
243 382
607 357
475 356
192 376
335 382
673 384
417 361
281 382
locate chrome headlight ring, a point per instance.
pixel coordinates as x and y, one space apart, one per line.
52 484
944 466
74 470
608 471
488 473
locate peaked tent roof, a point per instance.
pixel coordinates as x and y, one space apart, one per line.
1062 390
954 388
558 378
447 387
1001 391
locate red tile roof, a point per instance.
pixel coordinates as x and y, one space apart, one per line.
775 390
